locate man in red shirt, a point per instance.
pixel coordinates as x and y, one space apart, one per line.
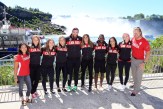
140 55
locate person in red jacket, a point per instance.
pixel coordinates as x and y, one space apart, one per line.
22 71
140 55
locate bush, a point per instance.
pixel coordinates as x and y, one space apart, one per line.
157 43
6 75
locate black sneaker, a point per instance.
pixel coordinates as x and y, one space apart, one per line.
52 91
46 92
90 89
64 90
132 94
29 101
59 90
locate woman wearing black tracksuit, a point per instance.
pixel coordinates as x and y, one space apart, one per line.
87 59
48 56
99 65
35 56
124 60
111 63
61 63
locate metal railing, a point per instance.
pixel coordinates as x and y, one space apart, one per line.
153 70
154 67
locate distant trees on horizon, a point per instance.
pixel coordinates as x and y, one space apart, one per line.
141 16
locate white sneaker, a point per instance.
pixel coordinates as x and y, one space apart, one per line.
95 89
109 87
124 87
101 88
121 88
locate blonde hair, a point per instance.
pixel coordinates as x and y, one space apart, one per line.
60 39
38 38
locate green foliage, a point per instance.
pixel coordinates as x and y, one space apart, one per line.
6 75
139 16
157 43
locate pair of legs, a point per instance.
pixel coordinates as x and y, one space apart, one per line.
59 67
137 74
47 71
99 66
110 73
27 81
35 77
84 65
126 65
73 68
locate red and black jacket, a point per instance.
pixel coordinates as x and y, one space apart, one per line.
48 56
112 55
61 56
125 51
74 47
35 55
100 50
87 52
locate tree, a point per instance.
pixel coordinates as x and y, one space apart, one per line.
129 17
157 43
155 17
139 16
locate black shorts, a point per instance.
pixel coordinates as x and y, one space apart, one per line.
99 66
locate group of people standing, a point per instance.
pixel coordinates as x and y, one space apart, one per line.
34 61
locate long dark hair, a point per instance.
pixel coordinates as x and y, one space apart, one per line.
20 52
109 44
89 41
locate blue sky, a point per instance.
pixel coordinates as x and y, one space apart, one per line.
97 10
103 8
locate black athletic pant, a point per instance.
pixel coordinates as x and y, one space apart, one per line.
47 71
59 67
110 70
35 77
73 67
84 65
126 65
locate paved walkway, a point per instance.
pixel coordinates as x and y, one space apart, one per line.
150 98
